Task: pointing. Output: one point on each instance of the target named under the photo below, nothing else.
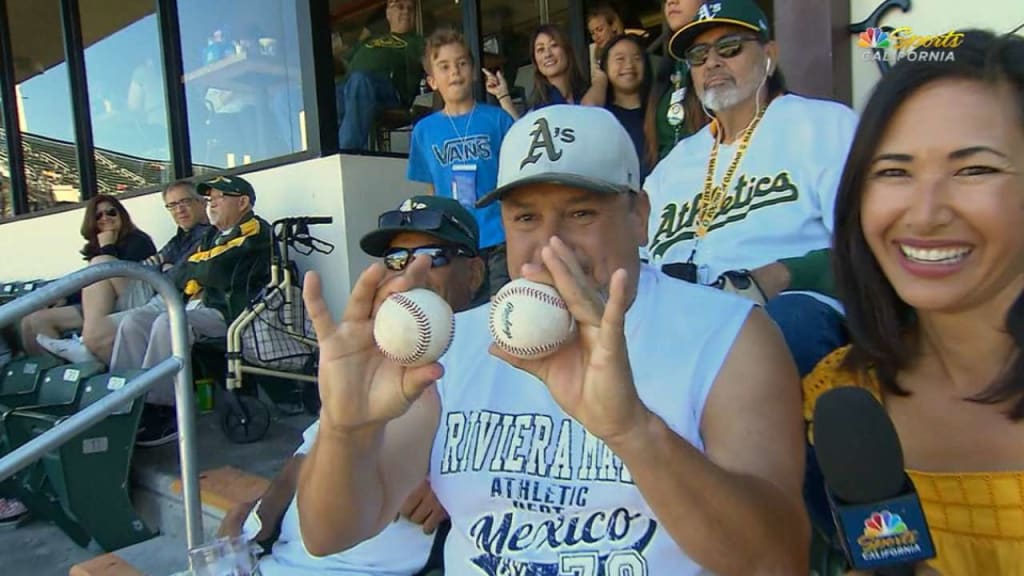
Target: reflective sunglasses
(425, 219)
(397, 259)
(726, 47)
(109, 213)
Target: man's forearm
(279, 494)
(728, 523)
(340, 492)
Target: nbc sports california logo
(893, 45)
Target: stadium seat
(83, 486)
(20, 379)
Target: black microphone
(873, 501)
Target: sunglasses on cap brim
(425, 219)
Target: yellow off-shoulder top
(976, 518)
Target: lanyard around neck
(712, 198)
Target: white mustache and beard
(728, 94)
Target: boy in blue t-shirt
(455, 150)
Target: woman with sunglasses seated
(109, 235)
(745, 204)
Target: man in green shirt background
(384, 71)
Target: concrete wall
(927, 17)
(351, 189)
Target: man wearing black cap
(422, 225)
(230, 266)
(746, 203)
(442, 229)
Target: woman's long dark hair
(90, 229)
(883, 328)
(577, 82)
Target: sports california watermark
(902, 44)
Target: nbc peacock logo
(883, 524)
(874, 38)
(886, 536)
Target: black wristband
(109, 250)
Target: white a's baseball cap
(580, 146)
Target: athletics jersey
(779, 203)
(528, 490)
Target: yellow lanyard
(712, 198)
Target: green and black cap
(229, 186)
(713, 13)
(443, 218)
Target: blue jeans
(811, 328)
(360, 97)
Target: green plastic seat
(83, 486)
(19, 380)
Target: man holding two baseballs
(663, 436)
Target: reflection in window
(6, 200)
(44, 102)
(378, 51)
(242, 80)
(126, 95)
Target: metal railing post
(180, 360)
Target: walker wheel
(243, 418)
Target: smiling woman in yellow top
(929, 257)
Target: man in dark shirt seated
(231, 265)
(384, 72)
(188, 210)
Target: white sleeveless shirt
(528, 490)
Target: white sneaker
(69, 349)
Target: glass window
(127, 96)
(379, 81)
(44, 103)
(6, 200)
(506, 29)
(242, 80)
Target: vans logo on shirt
(475, 147)
(544, 140)
(750, 193)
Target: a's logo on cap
(708, 10)
(409, 206)
(220, 180)
(544, 140)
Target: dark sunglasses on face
(726, 47)
(397, 259)
(109, 213)
(425, 219)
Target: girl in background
(628, 69)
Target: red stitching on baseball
(423, 329)
(525, 351)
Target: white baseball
(414, 328)
(529, 319)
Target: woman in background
(109, 235)
(557, 76)
(929, 262)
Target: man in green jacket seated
(231, 265)
(384, 72)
